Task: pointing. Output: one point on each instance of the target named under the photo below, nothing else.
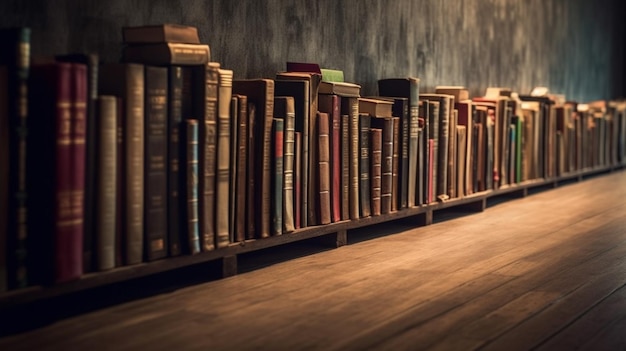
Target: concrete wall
(574, 47)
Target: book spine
(395, 166)
(364, 164)
(297, 180)
(376, 170)
(192, 174)
(242, 139)
(433, 121)
(106, 182)
(431, 171)
(4, 177)
(335, 160)
(413, 126)
(288, 165)
(345, 167)
(324, 170)
(443, 145)
(174, 121)
(17, 57)
(278, 130)
(120, 210)
(186, 54)
(208, 144)
(452, 157)
(387, 166)
(461, 152)
(251, 184)
(355, 151)
(155, 165)
(234, 170)
(223, 158)
(421, 149)
(403, 112)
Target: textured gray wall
(574, 47)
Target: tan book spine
(106, 182)
(395, 163)
(352, 109)
(222, 192)
(288, 162)
(386, 166)
(241, 178)
(324, 167)
(207, 113)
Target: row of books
(166, 154)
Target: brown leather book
(161, 33)
(234, 170)
(376, 170)
(155, 151)
(167, 54)
(222, 192)
(350, 107)
(126, 80)
(4, 175)
(241, 177)
(331, 104)
(345, 167)
(395, 163)
(284, 109)
(365, 164)
(323, 137)
(106, 182)
(260, 92)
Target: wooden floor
(544, 272)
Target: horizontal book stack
(166, 153)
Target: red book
(56, 172)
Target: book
(55, 202)
(167, 54)
(350, 107)
(191, 174)
(304, 67)
(234, 169)
(345, 167)
(251, 183)
(91, 61)
(432, 119)
(278, 130)
(15, 57)
(160, 33)
(420, 197)
(461, 145)
(332, 75)
(222, 191)
(375, 170)
(340, 88)
(126, 80)
(460, 93)
(443, 121)
(314, 80)
(364, 164)
(284, 109)
(406, 88)
(323, 186)
(106, 182)
(465, 118)
(176, 80)
(401, 111)
(376, 107)
(300, 91)
(331, 104)
(385, 126)
(297, 176)
(395, 159)
(205, 110)
(155, 165)
(260, 92)
(242, 164)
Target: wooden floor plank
(460, 283)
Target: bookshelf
(431, 49)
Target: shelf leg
(425, 218)
(229, 266)
(334, 240)
(478, 206)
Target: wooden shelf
(228, 254)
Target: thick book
(106, 182)
(160, 33)
(350, 107)
(465, 118)
(242, 167)
(376, 170)
(177, 79)
(375, 107)
(331, 104)
(385, 125)
(364, 164)
(323, 169)
(91, 62)
(155, 165)
(222, 191)
(433, 148)
(15, 56)
(314, 80)
(277, 157)
(345, 167)
(284, 109)
(167, 54)
(459, 92)
(205, 109)
(340, 88)
(55, 202)
(406, 88)
(190, 172)
(126, 81)
(443, 142)
(300, 91)
(260, 92)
